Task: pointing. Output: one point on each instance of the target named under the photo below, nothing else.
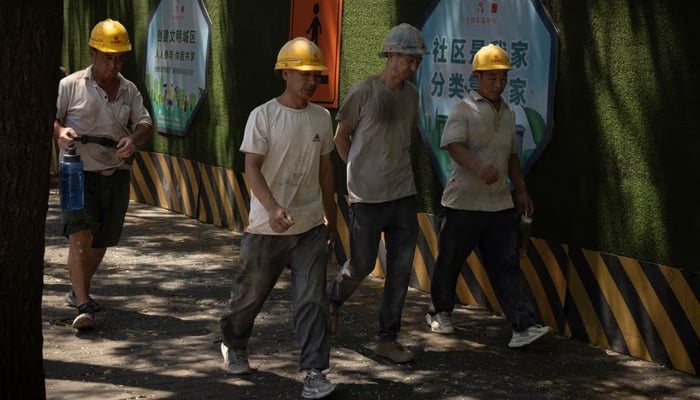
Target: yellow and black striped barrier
(642, 309)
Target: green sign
(454, 31)
(176, 63)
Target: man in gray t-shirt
(373, 137)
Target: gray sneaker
(235, 361)
(72, 302)
(85, 320)
(440, 322)
(316, 386)
(529, 336)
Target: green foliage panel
(617, 177)
(245, 37)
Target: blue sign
(176, 63)
(454, 31)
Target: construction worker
(102, 114)
(375, 125)
(478, 209)
(287, 144)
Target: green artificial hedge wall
(245, 37)
(618, 175)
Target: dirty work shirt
(83, 106)
(490, 137)
(379, 161)
(292, 142)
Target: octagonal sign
(176, 63)
(454, 31)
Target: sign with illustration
(319, 21)
(176, 63)
(454, 30)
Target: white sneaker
(529, 336)
(235, 361)
(440, 322)
(85, 319)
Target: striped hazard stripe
(646, 310)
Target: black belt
(102, 141)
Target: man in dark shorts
(102, 114)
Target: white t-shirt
(292, 142)
(379, 165)
(490, 137)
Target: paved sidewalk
(158, 338)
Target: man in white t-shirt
(287, 144)
(375, 125)
(478, 208)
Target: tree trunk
(30, 56)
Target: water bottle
(72, 180)
(525, 228)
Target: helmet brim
(303, 68)
(492, 68)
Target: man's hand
(65, 137)
(332, 236)
(487, 173)
(280, 220)
(126, 147)
(525, 203)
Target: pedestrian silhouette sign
(319, 21)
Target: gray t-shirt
(379, 161)
(489, 134)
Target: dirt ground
(164, 287)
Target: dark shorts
(106, 202)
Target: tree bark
(30, 56)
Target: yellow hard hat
(110, 36)
(490, 57)
(300, 54)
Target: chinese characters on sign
(454, 31)
(176, 63)
(454, 51)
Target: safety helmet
(404, 39)
(110, 36)
(490, 57)
(300, 54)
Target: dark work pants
(495, 234)
(263, 258)
(398, 221)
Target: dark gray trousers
(398, 221)
(263, 258)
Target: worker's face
(107, 65)
(492, 83)
(302, 84)
(406, 64)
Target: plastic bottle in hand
(72, 181)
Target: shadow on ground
(164, 287)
